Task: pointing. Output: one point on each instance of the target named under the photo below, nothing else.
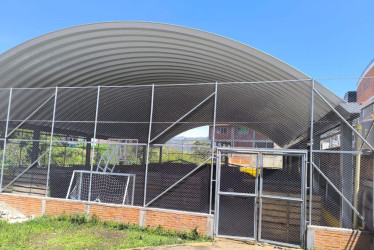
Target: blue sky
(324, 39)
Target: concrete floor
(219, 244)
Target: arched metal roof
(142, 53)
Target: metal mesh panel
(25, 167)
(75, 112)
(133, 163)
(124, 113)
(169, 164)
(336, 181)
(258, 106)
(172, 117)
(4, 102)
(236, 216)
(238, 173)
(340, 175)
(66, 157)
(282, 175)
(280, 221)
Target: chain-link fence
(96, 143)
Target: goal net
(106, 187)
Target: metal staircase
(117, 151)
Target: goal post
(106, 187)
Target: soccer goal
(106, 187)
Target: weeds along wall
(119, 137)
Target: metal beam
(212, 148)
(94, 141)
(51, 142)
(148, 142)
(311, 152)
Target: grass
(80, 232)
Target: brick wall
(57, 207)
(337, 238)
(365, 88)
(117, 214)
(27, 205)
(178, 221)
(168, 219)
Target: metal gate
(260, 195)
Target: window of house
(221, 130)
(367, 111)
(243, 131)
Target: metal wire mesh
(91, 128)
(237, 216)
(282, 175)
(168, 165)
(280, 221)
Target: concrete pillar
(346, 172)
(35, 144)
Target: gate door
(281, 198)
(237, 192)
(260, 195)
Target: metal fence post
(5, 138)
(94, 142)
(311, 153)
(212, 148)
(51, 143)
(148, 142)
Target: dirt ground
(219, 244)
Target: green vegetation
(182, 154)
(80, 232)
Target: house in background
(227, 135)
(365, 97)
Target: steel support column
(51, 142)
(212, 149)
(148, 143)
(311, 153)
(94, 142)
